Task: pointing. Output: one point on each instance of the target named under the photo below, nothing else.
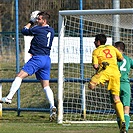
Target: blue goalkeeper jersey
(42, 39)
(124, 67)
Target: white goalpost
(76, 31)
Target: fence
(31, 97)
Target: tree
(7, 10)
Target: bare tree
(7, 10)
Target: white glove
(33, 16)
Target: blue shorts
(40, 65)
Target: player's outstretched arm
(33, 19)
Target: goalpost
(77, 28)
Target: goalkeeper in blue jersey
(125, 90)
(40, 63)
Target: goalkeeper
(125, 90)
(102, 54)
(40, 63)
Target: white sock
(15, 86)
(49, 95)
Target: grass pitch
(38, 122)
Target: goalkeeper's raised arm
(33, 19)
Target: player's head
(100, 39)
(120, 45)
(43, 18)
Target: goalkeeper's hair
(121, 45)
(45, 15)
(102, 38)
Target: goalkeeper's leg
(14, 87)
(50, 97)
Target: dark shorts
(125, 93)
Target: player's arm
(28, 25)
(26, 30)
(95, 60)
(122, 58)
(96, 66)
(33, 18)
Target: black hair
(121, 45)
(102, 38)
(45, 15)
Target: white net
(80, 103)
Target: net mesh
(97, 102)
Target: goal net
(76, 103)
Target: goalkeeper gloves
(33, 17)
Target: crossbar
(96, 12)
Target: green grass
(38, 122)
